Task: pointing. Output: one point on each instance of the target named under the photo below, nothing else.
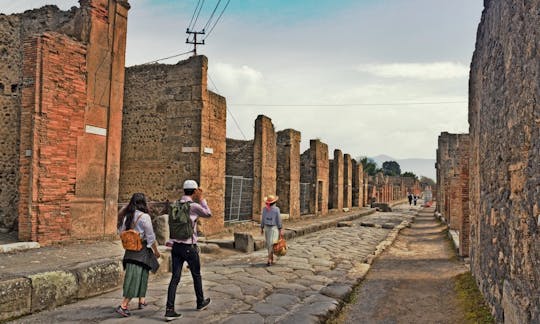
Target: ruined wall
(14, 30)
(464, 223)
(288, 172)
(336, 181)
(315, 170)
(81, 201)
(347, 181)
(173, 130)
(239, 160)
(504, 121)
(48, 163)
(264, 163)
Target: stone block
(97, 277)
(337, 291)
(15, 298)
(384, 207)
(209, 248)
(345, 224)
(388, 225)
(19, 246)
(52, 289)
(243, 242)
(161, 228)
(259, 244)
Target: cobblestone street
(305, 286)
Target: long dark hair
(137, 202)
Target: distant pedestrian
(415, 199)
(410, 198)
(186, 250)
(137, 264)
(271, 225)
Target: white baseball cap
(190, 184)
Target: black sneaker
(122, 311)
(204, 304)
(170, 315)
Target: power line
(194, 11)
(198, 13)
(212, 15)
(217, 20)
(350, 104)
(169, 57)
(230, 112)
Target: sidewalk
(45, 278)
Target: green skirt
(135, 281)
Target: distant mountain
(420, 167)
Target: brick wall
(464, 224)
(504, 121)
(315, 170)
(336, 181)
(173, 130)
(52, 122)
(288, 172)
(14, 29)
(347, 181)
(264, 163)
(81, 202)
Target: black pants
(190, 254)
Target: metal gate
(238, 198)
(304, 198)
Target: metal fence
(238, 198)
(304, 198)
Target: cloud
(240, 83)
(422, 71)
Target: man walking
(187, 250)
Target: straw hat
(270, 199)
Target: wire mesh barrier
(304, 198)
(238, 198)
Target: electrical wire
(212, 15)
(217, 20)
(350, 104)
(230, 112)
(168, 57)
(194, 11)
(198, 13)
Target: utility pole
(194, 41)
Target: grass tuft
(471, 300)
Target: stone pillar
(315, 170)
(336, 178)
(347, 181)
(358, 184)
(264, 163)
(288, 172)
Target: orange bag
(131, 239)
(280, 248)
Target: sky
(368, 77)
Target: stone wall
(288, 172)
(336, 181)
(504, 120)
(239, 160)
(347, 181)
(264, 163)
(14, 30)
(69, 176)
(314, 169)
(173, 130)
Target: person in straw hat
(271, 225)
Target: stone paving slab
(305, 286)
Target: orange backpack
(131, 239)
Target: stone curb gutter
(27, 294)
(321, 307)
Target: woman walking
(137, 264)
(271, 225)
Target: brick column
(288, 172)
(264, 163)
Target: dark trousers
(190, 254)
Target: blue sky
(388, 76)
